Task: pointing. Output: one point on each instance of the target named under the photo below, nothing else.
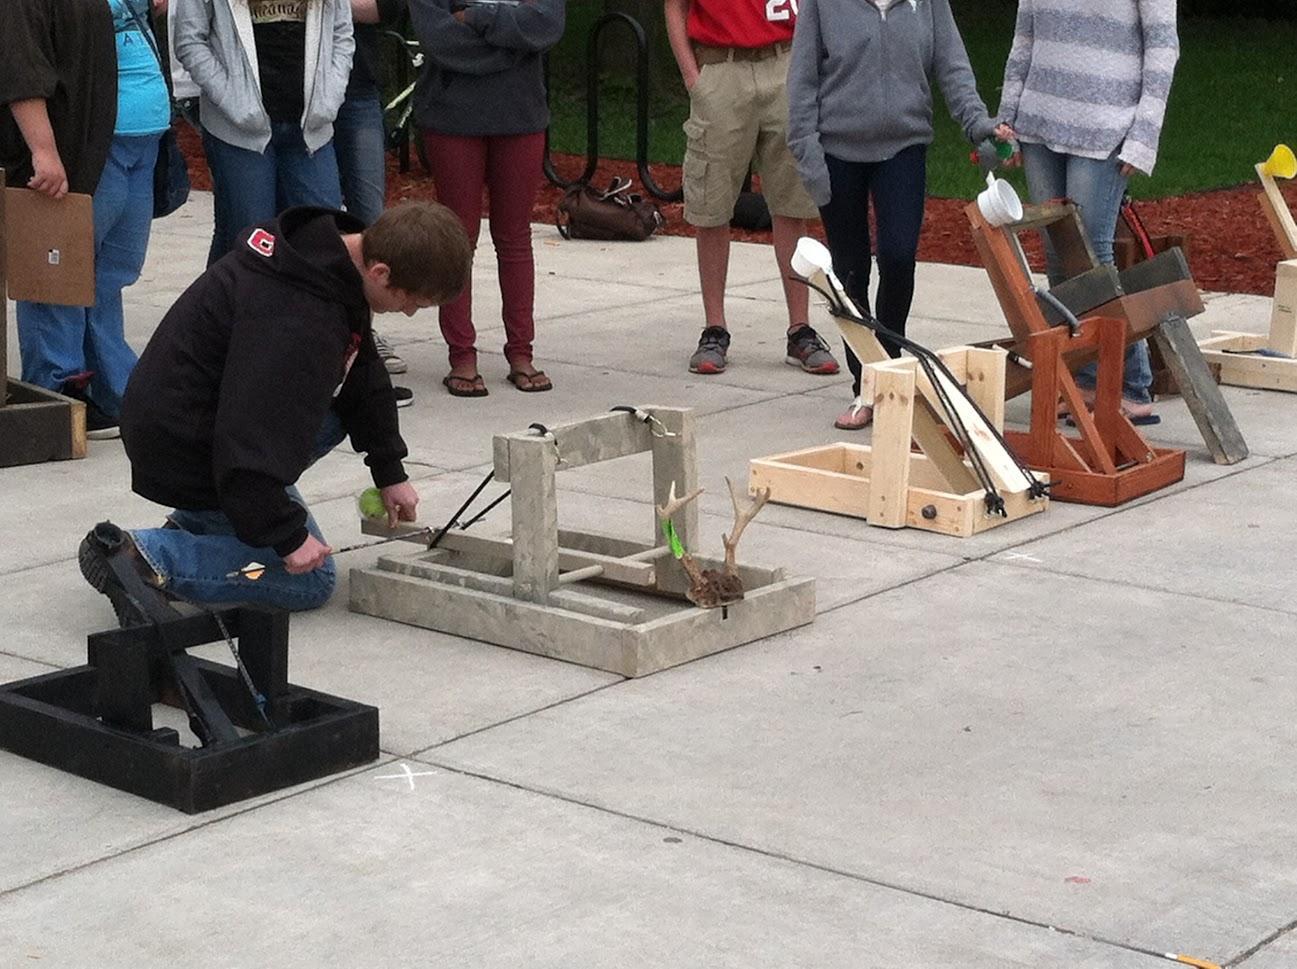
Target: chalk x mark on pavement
(407, 775)
(1021, 557)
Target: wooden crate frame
(532, 592)
(1235, 353)
(886, 482)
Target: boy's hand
(308, 557)
(401, 502)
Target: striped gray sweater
(1092, 78)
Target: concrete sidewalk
(1060, 743)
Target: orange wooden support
(1108, 462)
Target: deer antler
(741, 518)
(674, 504)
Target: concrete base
(669, 632)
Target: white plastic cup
(998, 202)
(811, 256)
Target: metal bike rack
(592, 110)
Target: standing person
(733, 57)
(359, 141)
(1086, 93)
(481, 105)
(272, 74)
(83, 351)
(860, 122)
(260, 367)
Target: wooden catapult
(35, 424)
(614, 604)
(1267, 361)
(1093, 315)
(256, 732)
(945, 487)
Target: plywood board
(50, 247)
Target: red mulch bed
(1231, 247)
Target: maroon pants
(509, 167)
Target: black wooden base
(77, 720)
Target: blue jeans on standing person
(897, 188)
(60, 342)
(1097, 187)
(196, 557)
(250, 187)
(361, 149)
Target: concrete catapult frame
(600, 601)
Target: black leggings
(897, 187)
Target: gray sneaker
(808, 351)
(391, 361)
(712, 347)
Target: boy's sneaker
(105, 542)
(712, 347)
(391, 361)
(404, 396)
(808, 351)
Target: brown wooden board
(50, 247)
(1201, 393)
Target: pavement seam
(1268, 940)
(161, 839)
(789, 859)
(520, 716)
(31, 659)
(1127, 584)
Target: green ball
(370, 503)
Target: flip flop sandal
(857, 418)
(537, 381)
(458, 386)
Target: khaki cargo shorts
(738, 115)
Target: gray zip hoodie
(860, 82)
(214, 42)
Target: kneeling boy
(262, 366)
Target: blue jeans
(361, 148)
(897, 189)
(250, 187)
(196, 558)
(58, 342)
(1097, 187)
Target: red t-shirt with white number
(741, 23)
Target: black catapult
(258, 733)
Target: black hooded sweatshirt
(224, 407)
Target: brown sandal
(530, 382)
(458, 386)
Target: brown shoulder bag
(615, 214)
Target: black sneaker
(712, 348)
(106, 541)
(99, 426)
(808, 351)
(404, 396)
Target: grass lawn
(1235, 96)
